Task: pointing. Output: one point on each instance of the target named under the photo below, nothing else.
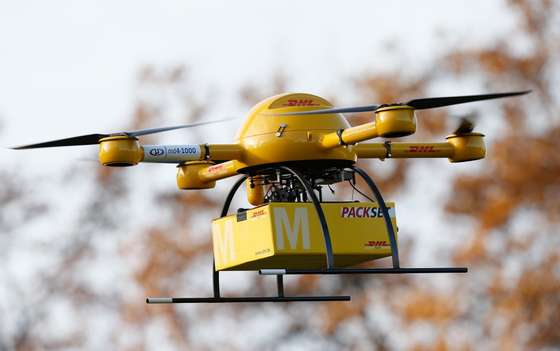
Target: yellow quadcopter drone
(288, 149)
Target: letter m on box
(291, 228)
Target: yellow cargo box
(288, 235)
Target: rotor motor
(188, 175)
(395, 121)
(467, 147)
(120, 151)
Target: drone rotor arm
(349, 136)
(190, 152)
(404, 150)
(457, 148)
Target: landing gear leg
(217, 298)
(396, 269)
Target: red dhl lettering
(376, 243)
(421, 148)
(215, 168)
(300, 102)
(258, 213)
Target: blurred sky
(69, 67)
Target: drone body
(272, 134)
(290, 147)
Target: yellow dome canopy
(269, 137)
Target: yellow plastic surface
(467, 147)
(255, 191)
(188, 175)
(119, 151)
(219, 171)
(267, 137)
(288, 235)
(395, 121)
(223, 152)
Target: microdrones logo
(157, 152)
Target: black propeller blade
(419, 104)
(165, 129)
(355, 109)
(92, 139)
(422, 104)
(89, 139)
(466, 126)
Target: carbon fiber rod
(168, 300)
(370, 270)
(383, 206)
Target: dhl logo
(376, 243)
(421, 148)
(258, 213)
(300, 102)
(216, 168)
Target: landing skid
(164, 300)
(365, 270)
(219, 299)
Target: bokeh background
(81, 246)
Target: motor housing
(395, 121)
(120, 151)
(467, 147)
(188, 176)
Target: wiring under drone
(360, 192)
